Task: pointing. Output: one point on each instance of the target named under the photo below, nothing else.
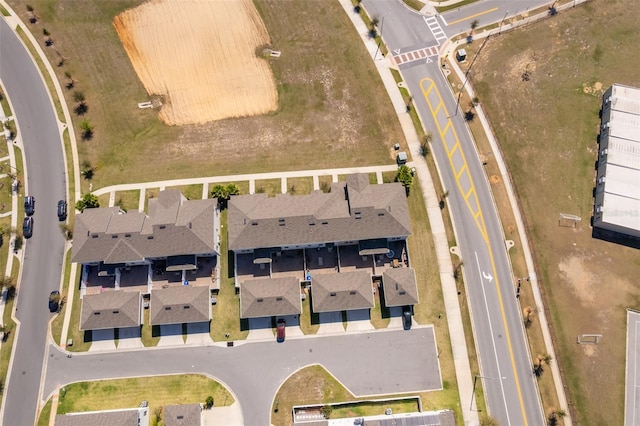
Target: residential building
(336, 243)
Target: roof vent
(115, 312)
(402, 293)
(94, 236)
(180, 417)
(189, 225)
(96, 313)
(332, 294)
(325, 223)
(114, 236)
(162, 226)
(127, 235)
(167, 308)
(352, 292)
(186, 307)
(279, 299)
(254, 223)
(260, 300)
(149, 237)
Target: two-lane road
(506, 371)
(42, 265)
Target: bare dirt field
(542, 87)
(200, 58)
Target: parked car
(280, 328)
(54, 301)
(62, 210)
(406, 318)
(29, 205)
(27, 227)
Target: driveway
(359, 320)
(366, 363)
(331, 323)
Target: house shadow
(615, 238)
(384, 310)
(315, 317)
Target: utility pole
(466, 75)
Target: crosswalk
(414, 55)
(425, 53)
(435, 28)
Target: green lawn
(125, 393)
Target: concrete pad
(198, 333)
(223, 416)
(171, 335)
(396, 317)
(293, 325)
(260, 329)
(102, 340)
(129, 338)
(331, 323)
(359, 320)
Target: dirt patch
(494, 179)
(199, 56)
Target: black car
(27, 227)
(54, 301)
(406, 318)
(29, 205)
(62, 210)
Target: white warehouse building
(617, 192)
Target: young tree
(88, 201)
(223, 193)
(78, 96)
(209, 402)
(405, 177)
(87, 170)
(87, 130)
(81, 108)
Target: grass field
(546, 124)
(329, 113)
(126, 393)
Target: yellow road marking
(477, 215)
(462, 170)
(479, 220)
(473, 16)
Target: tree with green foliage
(88, 201)
(87, 130)
(405, 177)
(208, 402)
(326, 411)
(223, 193)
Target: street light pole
(380, 41)
(505, 17)
(466, 75)
(475, 379)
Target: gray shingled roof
(353, 210)
(400, 287)
(343, 291)
(174, 226)
(266, 297)
(178, 305)
(127, 417)
(111, 309)
(182, 415)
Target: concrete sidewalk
(450, 294)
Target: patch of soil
(200, 57)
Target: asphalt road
(44, 251)
(510, 388)
(371, 363)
